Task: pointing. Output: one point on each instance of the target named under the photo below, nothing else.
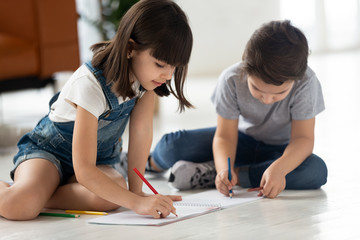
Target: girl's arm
(84, 161)
(300, 147)
(140, 139)
(88, 175)
(224, 146)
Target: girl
(67, 161)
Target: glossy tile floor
(329, 213)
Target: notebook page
(215, 198)
(191, 206)
(129, 217)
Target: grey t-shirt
(270, 123)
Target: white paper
(190, 206)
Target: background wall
(221, 30)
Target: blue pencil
(229, 164)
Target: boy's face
(268, 93)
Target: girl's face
(268, 93)
(149, 71)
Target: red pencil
(145, 181)
(254, 189)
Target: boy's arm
(224, 146)
(300, 147)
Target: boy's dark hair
(276, 52)
(159, 25)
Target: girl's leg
(35, 181)
(75, 196)
(188, 145)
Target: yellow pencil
(86, 212)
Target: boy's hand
(222, 182)
(273, 182)
(158, 206)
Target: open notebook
(190, 206)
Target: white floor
(329, 213)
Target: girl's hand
(223, 185)
(158, 206)
(273, 182)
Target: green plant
(111, 14)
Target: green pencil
(59, 215)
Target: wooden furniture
(37, 39)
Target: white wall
(221, 30)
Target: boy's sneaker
(122, 166)
(188, 175)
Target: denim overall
(53, 140)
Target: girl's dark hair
(276, 52)
(159, 25)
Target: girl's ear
(130, 48)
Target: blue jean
(252, 158)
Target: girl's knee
(120, 181)
(114, 175)
(19, 206)
(99, 204)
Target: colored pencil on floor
(59, 215)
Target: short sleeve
(86, 92)
(224, 96)
(309, 100)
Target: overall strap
(53, 99)
(106, 87)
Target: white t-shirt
(84, 90)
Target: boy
(266, 109)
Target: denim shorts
(29, 150)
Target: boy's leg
(35, 181)
(189, 153)
(76, 197)
(310, 174)
(188, 145)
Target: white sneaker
(186, 175)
